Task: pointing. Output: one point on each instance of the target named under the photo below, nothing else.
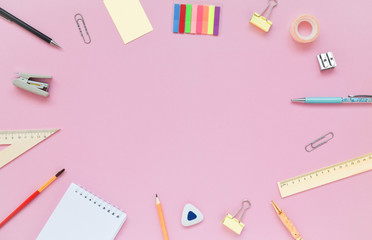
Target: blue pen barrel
(324, 100)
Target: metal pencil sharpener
(326, 61)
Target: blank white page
(81, 215)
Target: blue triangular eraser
(191, 215)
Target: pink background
(199, 119)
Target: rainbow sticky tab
(233, 224)
(196, 19)
(181, 27)
(188, 18)
(176, 20)
(211, 20)
(261, 22)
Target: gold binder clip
(260, 21)
(233, 223)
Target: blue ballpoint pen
(330, 100)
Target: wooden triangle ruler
(325, 175)
(21, 141)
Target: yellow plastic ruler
(20, 141)
(325, 175)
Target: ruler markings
(20, 141)
(325, 175)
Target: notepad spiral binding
(93, 199)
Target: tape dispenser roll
(315, 28)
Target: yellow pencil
(161, 218)
(287, 223)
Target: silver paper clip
(78, 17)
(24, 82)
(319, 142)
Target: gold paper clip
(319, 142)
(78, 17)
(260, 21)
(233, 223)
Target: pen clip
(360, 96)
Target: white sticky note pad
(129, 17)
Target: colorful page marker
(211, 20)
(196, 19)
(176, 20)
(188, 18)
(216, 21)
(194, 14)
(205, 19)
(199, 20)
(182, 18)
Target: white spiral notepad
(80, 215)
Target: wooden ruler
(20, 141)
(325, 175)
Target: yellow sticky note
(129, 17)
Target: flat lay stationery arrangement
(185, 119)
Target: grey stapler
(24, 81)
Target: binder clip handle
(271, 9)
(244, 210)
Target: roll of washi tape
(314, 31)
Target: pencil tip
(156, 195)
(277, 209)
(54, 43)
(60, 172)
